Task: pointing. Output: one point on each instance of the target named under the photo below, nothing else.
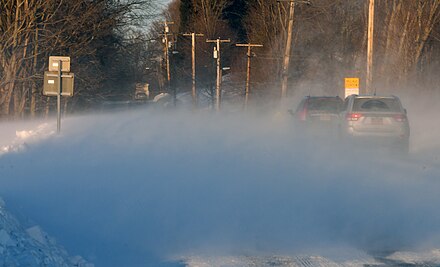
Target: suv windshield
(376, 104)
(324, 104)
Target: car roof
(330, 97)
(373, 97)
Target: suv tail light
(303, 112)
(303, 115)
(353, 116)
(400, 117)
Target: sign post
(60, 89)
(351, 86)
(58, 82)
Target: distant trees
(330, 39)
(186, 12)
(200, 16)
(111, 48)
(266, 23)
(92, 33)
(406, 36)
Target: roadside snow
(24, 137)
(417, 258)
(31, 247)
(276, 261)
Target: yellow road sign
(351, 83)
(351, 86)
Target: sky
(148, 186)
(163, 3)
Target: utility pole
(287, 50)
(167, 48)
(369, 80)
(167, 53)
(248, 72)
(193, 57)
(217, 56)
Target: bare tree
(87, 31)
(330, 39)
(407, 27)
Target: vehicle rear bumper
(400, 134)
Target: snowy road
(136, 189)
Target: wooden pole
(193, 60)
(167, 48)
(369, 80)
(248, 77)
(218, 94)
(167, 59)
(167, 56)
(217, 55)
(248, 71)
(193, 64)
(287, 51)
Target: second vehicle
(376, 118)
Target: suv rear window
(324, 104)
(377, 104)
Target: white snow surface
(425, 258)
(31, 247)
(355, 258)
(152, 188)
(22, 138)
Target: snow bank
(22, 138)
(31, 247)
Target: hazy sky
(164, 2)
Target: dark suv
(376, 118)
(318, 114)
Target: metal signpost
(58, 81)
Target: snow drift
(138, 188)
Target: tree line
(102, 37)
(114, 44)
(329, 43)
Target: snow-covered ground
(31, 246)
(159, 188)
